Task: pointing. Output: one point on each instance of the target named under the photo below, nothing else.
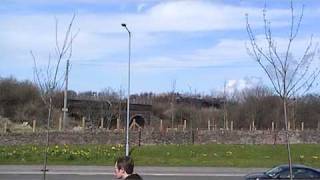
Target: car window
(284, 174)
(274, 171)
(300, 173)
(305, 173)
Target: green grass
(166, 155)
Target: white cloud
(181, 16)
(189, 16)
(21, 34)
(226, 52)
(98, 32)
(234, 85)
(102, 38)
(297, 48)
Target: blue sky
(200, 45)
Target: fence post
(289, 124)
(133, 124)
(231, 126)
(213, 125)
(5, 126)
(118, 124)
(227, 124)
(302, 126)
(192, 136)
(101, 124)
(272, 126)
(209, 128)
(139, 137)
(253, 126)
(83, 122)
(161, 125)
(184, 125)
(60, 123)
(34, 126)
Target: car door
(284, 174)
(304, 173)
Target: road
(13, 172)
(106, 177)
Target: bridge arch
(139, 119)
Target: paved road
(14, 172)
(107, 177)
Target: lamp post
(128, 98)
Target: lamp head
(124, 25)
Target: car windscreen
(274, 171)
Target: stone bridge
(93, 110)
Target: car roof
(297, 166)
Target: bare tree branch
(290, 77)
(301, 62)
(50, 82)
(257, 52)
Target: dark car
(282, 172)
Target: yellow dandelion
(315, 157)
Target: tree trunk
(47, 141)
(284, 100)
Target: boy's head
(123, 167)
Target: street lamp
(128, 98)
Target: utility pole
(65, 109)
(225, 123)
(172, 102)
(128, 99)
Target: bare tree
(50, 79)
(113, 98)
(288, 75)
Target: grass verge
(219, 155)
